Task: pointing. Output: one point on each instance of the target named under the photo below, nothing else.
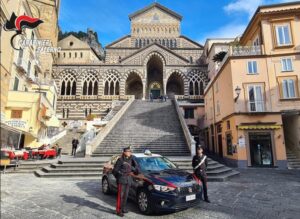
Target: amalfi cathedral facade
(155, 58)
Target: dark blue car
(161, 187)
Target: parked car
(161, 186)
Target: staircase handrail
(55, 138)
(109, 126)
(188, 137)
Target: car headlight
(163, 188)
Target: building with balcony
(252, 104)
(30, 96)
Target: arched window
(112, 88)
(63, 88)
(197, 81)
(84, 92)
(69, 55)
(117, 90)
(106, 88)
(58, 54)
(196, 88)
(191, 88)
(64, 55)
(75, 54)
(136, 43)
(74, 88)
(111, 85)
(163, 42)
(81, 54)
(95, 88)
(68, 83)
(68, 92)
(90, 90)
(90, 83)
(201, 88)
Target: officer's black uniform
(200, 172)
(123, 167)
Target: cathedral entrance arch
(175, 85)
(155, 76)
(134, 85)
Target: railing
(246, 50)
(109, 126)
(256, 106)
(53, 139)
(189, 97)
(189, 138)
(239, 51)
(94, 97)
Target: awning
(260, 127)
(53, 122)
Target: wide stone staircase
(91, 168)
(66, 141)
(146, 125)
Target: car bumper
(170, 202)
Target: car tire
(143, 201)
(105, 186)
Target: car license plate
(190, 197)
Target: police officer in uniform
(124, 169)
(200, 166)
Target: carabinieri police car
(161, 186)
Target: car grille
(189, 189)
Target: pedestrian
(123, 171)
(200, 166)
(151, 97)
(165, 98)
(75, 143)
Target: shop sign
(16, 123)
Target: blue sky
(202, 19)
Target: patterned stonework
(157, 54)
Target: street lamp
(238, 92)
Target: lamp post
(237, 92)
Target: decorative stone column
(144, 88)
(165, 86)
(122, 86)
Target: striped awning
(260, 127)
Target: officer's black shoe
(125, 211)
(120, 214)
(207, 200)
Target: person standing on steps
(199, 164)
(75, 143)
(151, 97)
(123, 171)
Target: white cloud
(228, 31)
(249, 6)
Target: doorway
(261, 149)
(155, 76)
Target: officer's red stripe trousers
(118, 207)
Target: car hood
(177, 177)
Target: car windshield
(154, 163)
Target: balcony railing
(94, 97)
(246, 50)
(256, 106)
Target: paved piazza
(256, 193)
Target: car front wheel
(105, 186)
(143, 201)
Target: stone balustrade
(189, 138)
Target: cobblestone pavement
(256, 193)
